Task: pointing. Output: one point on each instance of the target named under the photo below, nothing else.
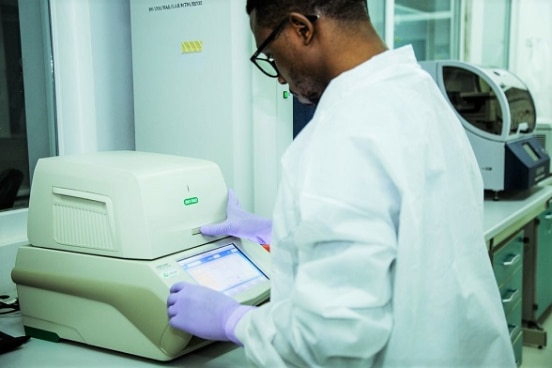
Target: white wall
(531, 51)
(93, 75)
(212, 103)
(195, 102)
(272, 134)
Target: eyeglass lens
(266, 66)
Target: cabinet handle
(515, 258)
(513, 295)
(548, 216)
(514, 330)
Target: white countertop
(511, 213)
(38, 353)
(502, 217)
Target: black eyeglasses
(266, 64)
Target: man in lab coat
(378, 254)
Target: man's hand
(241, 224)
(204, 312)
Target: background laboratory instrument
(499, 117)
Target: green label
(190, 201)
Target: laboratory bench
(41, 353)
(510, 226)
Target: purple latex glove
(204, 312)
(241, 224)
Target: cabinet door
(507, 261)
(467, 30)
(431, 27)
(487, 32)
(544, 262)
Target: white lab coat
(378, 255)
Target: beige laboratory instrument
(110, 233)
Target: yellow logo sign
(191, 47)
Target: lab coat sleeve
(342, 247)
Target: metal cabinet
(507, 260)
(544, 264)
(537, 289)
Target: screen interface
(530, 151)
(225, 269)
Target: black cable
(9, 343)
(12, 307)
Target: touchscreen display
(530, 151)
(225, 269)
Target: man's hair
(270, 12)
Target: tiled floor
(533, 357)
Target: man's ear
(303, 27)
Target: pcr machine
(498, 114)
(110, 233)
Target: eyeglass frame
(271, 38)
